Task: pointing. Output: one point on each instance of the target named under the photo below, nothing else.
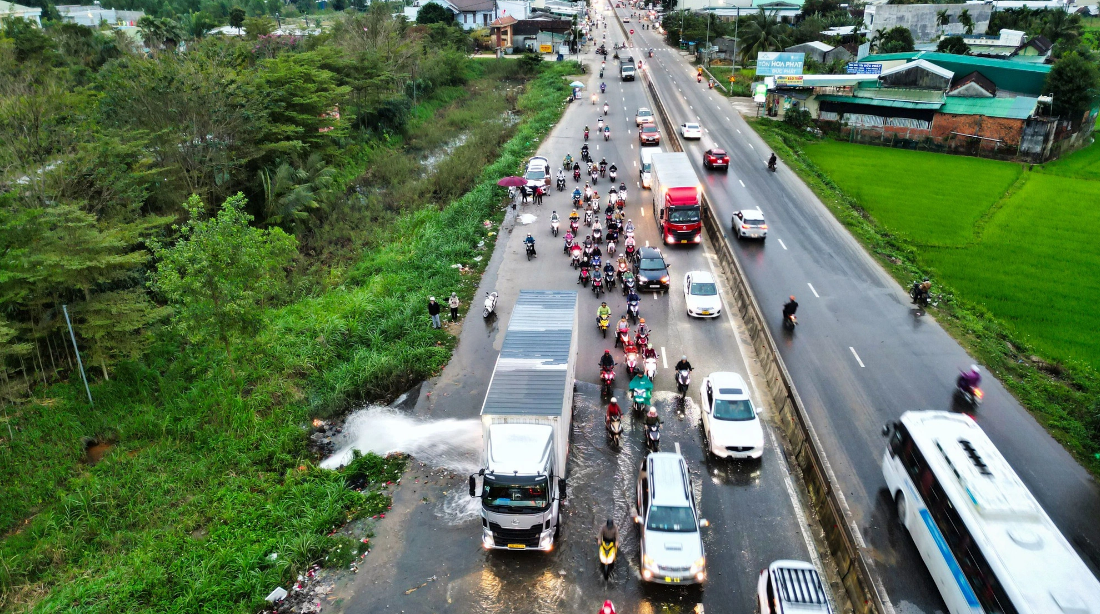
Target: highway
(861, 355)
(433, 544)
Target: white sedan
(730, 422)
(691, 131)
(701, 295)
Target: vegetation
(895, 40)
(159, 188)
(762, 32)
(1074, 82)
(953, 44)
(433, 12)
(1010, 287)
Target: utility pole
(79, 363)
(736, 41)
(706, 52)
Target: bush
(529, 62)
(798, 117)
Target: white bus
(988, 544)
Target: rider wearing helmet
(613, 409)
(603, 311)
(684, 365)
(530, 241)
(642, 328)
(607, 362)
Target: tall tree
(220, 274)
(967, 21)
(762, 32)
(236, 18)
(1074, 83)
(433, 12)
(895, 40)
(942, 19)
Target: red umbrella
(513, 181)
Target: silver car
(668, 519)
(750, 224)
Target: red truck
(676, 198)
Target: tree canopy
(434, 12)
(1074, 82)
(953, 44)
(895, 40)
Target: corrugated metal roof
(879, 102)
(533, 368)
(1020, 77)
(1020, 107)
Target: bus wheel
(899, 505)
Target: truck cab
(521, 488)
(678, 216)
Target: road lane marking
(800, 515)
(655, 293)
(741, 182)
(632, 147)
(664, 357)
(751, 145)
(635, 162)
(857, 357)
(815, 292)
(781, 244)
(738, 130)
(647, 243)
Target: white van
(792, 586)
(668, 519)
(645, 166)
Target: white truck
(626, 72)
(526, 420)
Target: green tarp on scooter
(641, 389)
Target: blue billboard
(864, 68)
(770, 63)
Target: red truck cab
(679, 218)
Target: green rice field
(1021, 243)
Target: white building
(11, 10)
(93, 15)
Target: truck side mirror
(473, 486)
(561, 488)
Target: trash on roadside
(276, 595)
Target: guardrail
(845, 545)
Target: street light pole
(736, 42)
(706, 52)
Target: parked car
(651, 270)
(750, 224)
(644, 116)
(648, 135)
(701, 295)
(792, 586)
(730, 422)
(691, 130)
(716, 158)
(668, 522)
(538, 172)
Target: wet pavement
(427, 555)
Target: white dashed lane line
(857, 357)
(782, 244)
(812, 290)
(741, 182)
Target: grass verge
(1004, 283)
(210, 472)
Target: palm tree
(1060, 25)
(763, 32)
(967, 21)
(942, 18)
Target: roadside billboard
(770, 63)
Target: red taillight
(763, 227)
(744, 226)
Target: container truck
(676, 198)
(526, 418)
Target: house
(820, 52)
(93, 15)
(923, 21)
(520, 34)
(1002, 46)
(947, 102)
(9, 10)
(472, 14)
(1036, 49)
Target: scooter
(603, 322)
(530, 250)
(607, 552)
(586, 134)
(683, 381)
(919, 297)
(622, 338)
(577, 174)
(597, 235)
(490, 304)
(630, 352)
(632, 311)
(576, 249)
(970, 395)
(587, 218)
(568, 243)
(651, 368)
(607, 133)
(561, 184)
(614, 173)
(574, 226)
(771, 166)
(585, 276)
(789, 322)
(611, 247)
(606, 108)
(628, 285)
(638, 402)
(554, 227)
(615, 430)
(607, 378)
(597, 285)
(609, 279)
(653, 437)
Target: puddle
(450, 444)
(94, 451)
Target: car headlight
(647, 561)
(642, 279)
(698, 565)
(664, 279)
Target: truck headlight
(487, 539)
(547, 541)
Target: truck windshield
(516, 493)
(683, 216)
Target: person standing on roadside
(453, 304)
(433, 310)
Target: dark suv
(651, 270)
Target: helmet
(792, 297)
(528, 234)
(684, 357)
(608, 607)
(652, 411)
(613, 400)
(610, 523)
(974, 369)
(641, 320)
(607, 351)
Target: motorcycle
(585, 276)
(771, 166)
(554, 227)
(561, 184)
(603, 88)
(607, 378)
(606, 108)
(971, 395)
(490, 304)
(596, 261)
(651, 368)
(609, 279)
(608, 549)
(568, 243)
(628, 285)
(683, 380)
(576, 174)
(530, 250)
(607, 133)
(919, 296)
(653, 437)
(595, 177)
(642, 341)
(632, 311)
(614, 174)
(631, 252)
(573, 226)
(790, 321)
(586, 135)
(587, 218)
(602, 322)
(597, 235)
(603, 170)
(615, 429)
(611, 247)
(630, 353)
(597, 285)
(622, 338)
(576, 255)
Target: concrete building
(1004, 45)
(922, 19)
(12, 10)
(820, 52)
(94, 14)
(473, 14)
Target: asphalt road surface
(861, 355)
(427, 555)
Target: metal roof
(533, 366)
(1020, 77)
(1020, 107)
(879, 102)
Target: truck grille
(503, 537)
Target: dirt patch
(95, 450)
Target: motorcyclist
(603, 311)
(568, 161)
(603, 166)
(641, 387)
(586, 133)
(649, 352)
(651, 416)
(561, 175)
(969, 379)
(603, 86)
(576, 167)
(609, 271)
(599, 128)
(920, 290)
(628, 276)
(588, 244)
(577, 196)
(629, 226)
(642, 328)
(607, 361)
(584, 149)
(584, 270)
(530, 241)
(790, 307)
(771, 162)
(633, 297)
(587, 191)
(574, 216)
(613, 169)
(609, 534)
(684, 365)
(554, 217)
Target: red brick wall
(1008, 130)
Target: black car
(651, 270)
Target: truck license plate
(683, 240)
(517, 546)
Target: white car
(644, 116)
(691, 131)
(730, 422)
(701, 295)
(538, 172)
(750, 224)
(792, 586)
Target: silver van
(792, 586)
(645, 166)
(668, 519)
